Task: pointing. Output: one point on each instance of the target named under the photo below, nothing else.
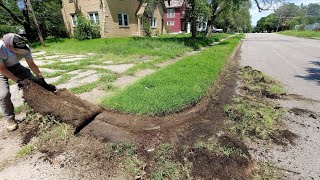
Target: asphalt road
(293, 61)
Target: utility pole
(29, 8)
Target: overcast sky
(256, 15)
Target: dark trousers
(5, 96)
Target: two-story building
(115, 17)
(175, 16)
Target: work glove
(21, 83)
(44, 84)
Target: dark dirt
(208, 165)
(284, 137)
(304, 112)
(28, 131)
(63, 105)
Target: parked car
(215, 30)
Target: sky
(256, 15)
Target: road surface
(293, 61)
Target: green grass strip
(175, 86)
(303, 34)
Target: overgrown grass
(177, 86)
(303, 34)
(253, 115)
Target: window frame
(171, 13)
(96, 19)
(170, 24)
(74, 19)
(153, 22)
(123, 20)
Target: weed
(25, 150)
(134, 166)
(266, 171)
(123, 149)
(24, 107)
(221, 150)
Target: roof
(174, 3)
(141, 9)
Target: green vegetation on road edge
(303, 34)
(177, 86)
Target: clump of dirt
(256, 83)
(209, 165)
(63, 105)
(231, 142)
(304, 112)
(284, 137)
(28, 131)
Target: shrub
(4, 29)
(86, 30)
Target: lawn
(143, 52)
(303, 34)
(176, 86)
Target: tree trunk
(23, 21)
(193, 27)
(26, 25)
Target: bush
(4, 29)
(86, 30)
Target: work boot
(12, 125)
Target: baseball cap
(15, 40)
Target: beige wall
(158, 14)
(108, 15)
(84, 6)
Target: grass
(144, 52)
(221, 150)
(167, 168)
(253, 115)
(25, 150)
(303, 34)
(175, 87)
(266, 171)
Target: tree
(20, 18)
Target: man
(13, 48)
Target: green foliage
(86, 30)
(303, 34)
(176, 86)
(50, 18)
(4, 29)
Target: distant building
(175, 16)
(115, 17)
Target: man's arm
(4, 71)
(34, 68)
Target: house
(115, 17)
(175, 16)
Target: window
(123, 19)
(94, 17)
(170, 23)
(170, 13)
(74, 19)
(153, 22)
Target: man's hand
(45, 85)
(21, 83)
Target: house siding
(177, 21)
(108, 15)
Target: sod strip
(176, 86)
